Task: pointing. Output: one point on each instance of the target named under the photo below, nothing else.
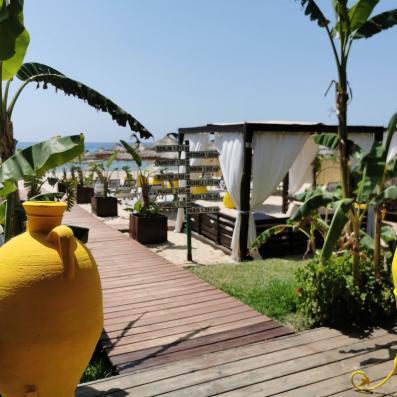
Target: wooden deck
(314, 363)
(156, 313)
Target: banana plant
(13, 45)
(33, 161)
(351, 23)
(104, 171)
(368, 181)
(145, 206)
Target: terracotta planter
(148, 229)
(84, 194)
(104, 206)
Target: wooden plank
(262, 377)
(164, 303)
(188, 367)
(183, 354)
(201, 345)
(225, 313)
(170, 162)
(341, 386)
(114, 323)
(221, 337)
(149, 332)
(175, 338)
(202, 210)
(171, 148)
(296, 366)
(152, 307)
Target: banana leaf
(135, 155)
(37, 159)
(314, 12)
(40, 73)
(373, 167)
(53, 196)
(329, 140)
(366, 241)
(338, 222)
(388, 234)
(3, 207)
(14, 37)
(360, 13)
(311, 204)
(111, 159)
(376, 24)
(390, 193)
(273, 231)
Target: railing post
(245, 191)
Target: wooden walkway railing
(156, 313)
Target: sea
(93, 147)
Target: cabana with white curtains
(254, 159)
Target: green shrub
(328, 296)
(99, 366)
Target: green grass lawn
(268, 286)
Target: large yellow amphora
(50, 307)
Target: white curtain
(196, 142)
(230, 148)
(364, 140)
(274, 154)
(301, 171)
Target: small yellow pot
(227, 201)
(50, 307)
(173, 184)
(199, 190)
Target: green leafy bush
(327, 294)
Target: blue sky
(178, 63)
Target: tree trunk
(341, 107)
(14, 212)
(377, 247)
(356, 252)
(7, 141)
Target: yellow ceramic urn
(50, 307)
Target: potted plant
(63, 181)
(84, 189)
(147, 224)
(102, 204)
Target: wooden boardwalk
(156, 313)
(314, 363)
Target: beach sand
(174, 249)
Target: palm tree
(351, 23)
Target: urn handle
(64, 242)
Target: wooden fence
(219, 229)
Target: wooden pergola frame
(247, 129)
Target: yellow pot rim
(44, 208)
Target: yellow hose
(365, 381)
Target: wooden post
(285, 204)
(245, 191)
